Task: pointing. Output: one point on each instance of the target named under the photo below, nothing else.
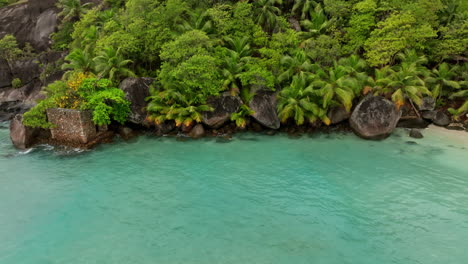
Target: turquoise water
(254, 199)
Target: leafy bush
(16, 83)
(82, 91)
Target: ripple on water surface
(252, 199)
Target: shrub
(16, 83)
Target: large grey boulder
(264, 106)
(374, 118)
(136, 91)
(224, 105)
(22, 137)
(30, 22)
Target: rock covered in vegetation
(374, 118)
(22, 137)
(197, 131)
(264, 106)
(136, 90)
(338, 115)
(415, 133)
(224, 105)
(31, 22)
(71, 126)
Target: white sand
(458, 137)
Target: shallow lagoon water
(253, 199)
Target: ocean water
(253, 199)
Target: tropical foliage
(316, 54)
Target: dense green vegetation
(316, 54)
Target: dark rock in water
(415, 133)
(411, 143)
(264, 106)
(441, 119)
(437, 117)
(374, 118)
(126, 133)
(197, 132)
(136, 91)
(428, 104)
(165, 128)
(22, 137)
(413, 123)
(338, 115)
(224, 106)
(456, 126)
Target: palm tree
(355, 67)
(463, 108)
(442, 77)
(109, 63)
(172, 105)
(72, 9)
(335, 86)
(239, 52)
(241, 116)
(79, 61)
(302, 7)
(406, 83)
(198, 20)
(317, 24)
(297, 101)
(267, 13)
(296, 64)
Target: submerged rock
(264, 106)
(224, 105)
(415, 133)
(197, 131)
(374, 118)
(136, 91)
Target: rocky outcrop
(23, 137)
(31, 22)
(5, 74)
(439, 118)
(264, 106)
(197, 131)
(374, 118)
(71, 126)
(338, 115)
(224, 105)
(136, 91)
